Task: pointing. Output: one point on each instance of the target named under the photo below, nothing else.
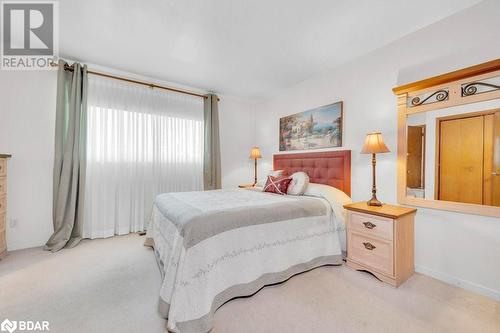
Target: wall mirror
(449, 141)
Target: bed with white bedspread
(213, 246)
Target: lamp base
(374, 202)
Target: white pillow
(335, 197)
(262, 182)
(299, 183)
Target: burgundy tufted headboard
(331, 168)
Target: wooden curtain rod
(151, 85)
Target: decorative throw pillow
(276, 173)
(278, 185)
(299, 183)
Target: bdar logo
(8, 326)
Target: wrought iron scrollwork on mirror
(429, 97)
(480, 87)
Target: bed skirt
(204, 324)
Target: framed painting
(312, 129)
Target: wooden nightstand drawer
(375, 254)
(372, 226)
(3, 203)
(3, 185)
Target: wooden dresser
(3, 204)
(380, 240)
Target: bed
(213, 246)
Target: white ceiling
(246, 48)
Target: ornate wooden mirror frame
(469, 85)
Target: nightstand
(246, 186)
(380, 240)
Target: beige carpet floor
(111, 285)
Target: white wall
(27, 120)
(457, 248)
(237, 137)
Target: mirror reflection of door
(469, 156)
(495, 173)
(415, 157)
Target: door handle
(495, 174)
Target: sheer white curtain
(140, 142)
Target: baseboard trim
(468, 285)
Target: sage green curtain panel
(211, 157)
(69, 159)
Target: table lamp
(374, 144)
(255, 154)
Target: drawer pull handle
(369, 246)
(369, 225)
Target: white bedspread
(203, 269)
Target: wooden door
(488, 159)
(491, 190)
(496, 161)
(461, 160)
(415, 157)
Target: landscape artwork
(313, 129)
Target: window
(140, 142)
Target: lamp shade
(255, 153)
(374, 144)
